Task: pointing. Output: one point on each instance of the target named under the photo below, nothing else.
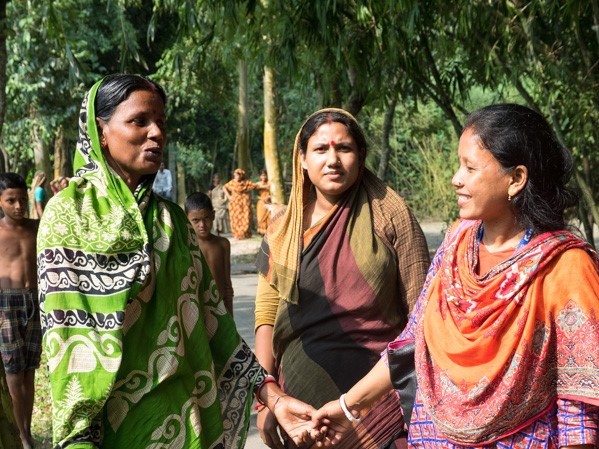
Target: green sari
(141, 351)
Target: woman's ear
(303, 160)
(519, 178)
(100, 125)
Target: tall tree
(242, 142)
(3, 78)
(271, 154)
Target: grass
(41, 422)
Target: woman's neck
(318, 208)
(502, 235)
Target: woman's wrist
(347, 412)
(261, 393)
(269, 394)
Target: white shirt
(163, 183)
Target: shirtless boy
(20, 333)
(216, 250)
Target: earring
(509, 197)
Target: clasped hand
(302, 423)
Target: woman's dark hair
(116, 88)
(328, 116)
(263, 172)
(198, 201)
(516, 135)
(12, 181)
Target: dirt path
(243, 252)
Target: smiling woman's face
(134, 137)
(481, 184)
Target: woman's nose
(456, 181)
(332, 158)
(157, 132)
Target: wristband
(268, 379)
(349, 415)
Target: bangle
(349, 415)
(268, 379)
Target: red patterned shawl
(493, 352)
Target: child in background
(37, 195)
(20, 332)
(216, 250)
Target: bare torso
(18, 266)
(217, 251)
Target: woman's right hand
(268, 428)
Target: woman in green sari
(141, 351)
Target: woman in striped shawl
(339, 272)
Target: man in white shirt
(163, 183)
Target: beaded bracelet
(349, 415)
(268, 379)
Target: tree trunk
(62, 160)
(356, 99)
(271, 150)
(385, 146)
(41, 154)
(587, 197)
(441, 94)
(9, 433)
(242, 142)
(3, 62)
(180, 181)
(3, 79)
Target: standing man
(218, 196)
(20, 331)
(163, 183)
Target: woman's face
(332, 160)
(481, 183)
(133, 139)
(263, 177)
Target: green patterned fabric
(140, 349)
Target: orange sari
(262, 212)
(240, 208)
(494, 352)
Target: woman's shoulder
(576, 260)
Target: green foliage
(423, 160)
(355, 53)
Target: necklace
(523, 242)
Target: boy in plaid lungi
(20, 333)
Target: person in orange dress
(262, 211)
(240, 205)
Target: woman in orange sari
(262, 212)
(240, 205)
(506, 329)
